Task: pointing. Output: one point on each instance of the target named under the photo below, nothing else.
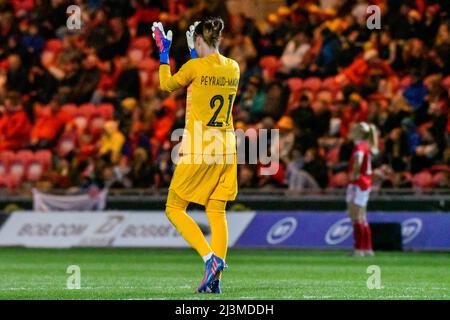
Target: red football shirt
(361, 153)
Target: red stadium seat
(423, 180)
(331, 84)
(149, 65)
(86, 110)
(26, 156)
(17, 168)
(313, 84)
(142, 43)
(54, 45)
(270, 62)
(9, 181)
(96, 126)
(106, 110)
(67, 143)
(81, 123)
(440, 167)
(3, 169)
(44, 157)
(35, 171)
(295, 84)
(2, 181)
(6, 158)
(70, 108)
(440, 179)
(339, 180)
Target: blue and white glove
(190, 40)
(163, 41)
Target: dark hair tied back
(210, 30)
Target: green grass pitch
(252, 274)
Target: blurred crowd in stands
(82, 108)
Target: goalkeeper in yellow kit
(207, 170)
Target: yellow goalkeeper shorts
(197, 181)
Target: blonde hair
(369, 132)
(373, 139)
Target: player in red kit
(365, 140)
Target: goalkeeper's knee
(171, 212)
(175, 205)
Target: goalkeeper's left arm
(184, 76)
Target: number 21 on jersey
(217, 102)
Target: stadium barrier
(252, 199)
(248, 229)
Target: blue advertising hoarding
(333, 230)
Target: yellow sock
(215, 210)
(188, 228)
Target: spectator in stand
(99, 31)
(416, 92)
(240, 46)
(326, 61)
(439, 113)
(247, 176)
(389, 50)
(87, 82)
(142, 172)
(17, 78)
(286, 138)
(299, 175)
(108, 77)
(11, 47)
(117, 42)
(398, 110)
(360, 71)
(303, 116)
(33, 41)
(252, 100)
(15, 126)
(49, 123)
(111, 142)
(426, 152)
(355, 111)
(295, 52)
(442, 47)
(43, 85)
(396, 150)
(128, 84)
(410, 132)
(164, 120)
(397, 78)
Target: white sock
(207, 257)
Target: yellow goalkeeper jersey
(213, 83)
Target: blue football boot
(213, 267)
(215, 287)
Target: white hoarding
(106, 229)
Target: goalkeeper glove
(163, 41)
(190, 40)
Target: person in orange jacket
(15, 127)
(50, 120)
